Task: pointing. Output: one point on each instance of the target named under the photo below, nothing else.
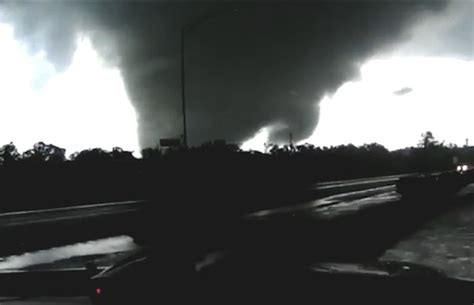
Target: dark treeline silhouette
(215, 174)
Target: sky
(83, 74)
(84, 106)
(424, 83)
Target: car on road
(434, 187)
(461, 168)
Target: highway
(446, 242)
(81, 212)
(330, 206)
(443, 241)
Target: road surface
(74, 213)
(446, 242)
(335, 205)
(75, 255)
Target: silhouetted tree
(427, 140)
(42, 152)
(95, 155)
(119, 154)
(306, 148)
(9, 154)
(215, 167)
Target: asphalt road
(446, 242)
(69, 255)
(67, 214)
(443, 243)
(106, 251)
(75, 255)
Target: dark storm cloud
(450, 34)
(267, 64)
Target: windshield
(320, 132)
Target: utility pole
(185, 29)
(291, 139)
(183, 90)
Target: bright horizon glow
(261, 139)
(367, 110)
(257, 142)
(85, 106)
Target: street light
(185, 29)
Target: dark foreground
(302, 253)
(302, 256)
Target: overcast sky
(106, 73)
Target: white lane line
(74, 208)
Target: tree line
(225, 176)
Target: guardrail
(69, 213)
(360, 180)
(43, 216)
(320, 195)
(323, 189)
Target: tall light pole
(186, 28)
(183, 89)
